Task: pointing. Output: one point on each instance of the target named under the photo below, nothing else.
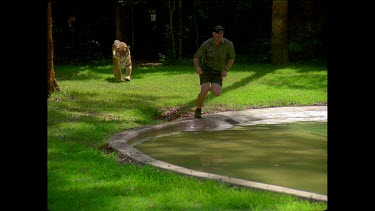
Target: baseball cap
(218, 29)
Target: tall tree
(51, 80)
(122, 22)
(196, 25)
(171, 7)
(279, 44)
(180, 29)
(118, 12)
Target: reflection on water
(292, 155)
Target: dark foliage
(247, 23)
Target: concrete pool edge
(222, 120)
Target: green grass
(84, 174)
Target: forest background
(169, 30)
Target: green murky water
(292, 155)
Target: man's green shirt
(215, 57)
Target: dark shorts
(211, 76)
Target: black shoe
(197, 113)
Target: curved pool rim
(122, 141)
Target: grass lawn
(84, 174)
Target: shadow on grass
(86, 72)
(186, 110)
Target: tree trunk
(51, 80)
(180, 29)
(133, 37)
(307, 6)
(171, 9)
(279, 32)
(196, 26)
(118, 9)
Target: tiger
(121, 60)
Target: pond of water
(292, 155)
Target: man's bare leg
(215, 89)
(200, 99)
